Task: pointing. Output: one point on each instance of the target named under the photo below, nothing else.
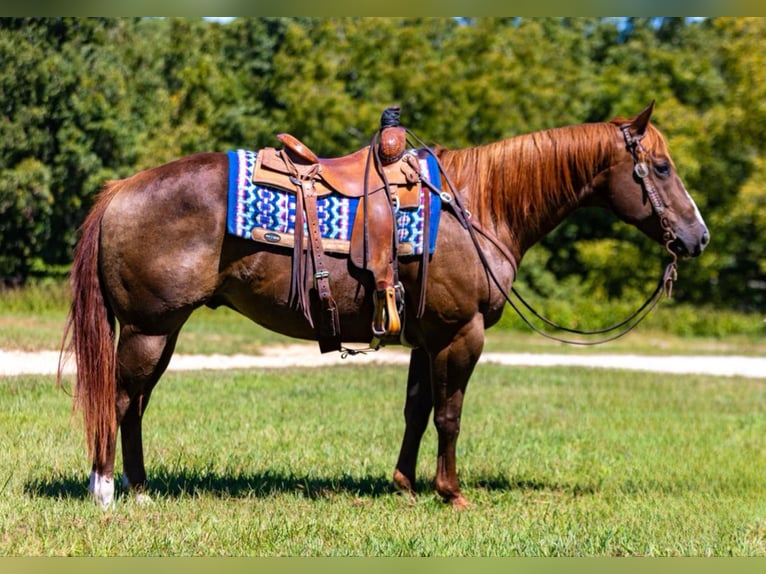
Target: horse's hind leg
(417, 409)
(141, 361)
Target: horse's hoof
(104, 503)
(143, 499)
(102, 490)
(137, 492)
(403, 484)
(460, 503)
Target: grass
(33, 319)
(558, 462)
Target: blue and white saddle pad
(268, 215)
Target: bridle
(664, 286)
(642, 172)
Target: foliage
(26, 203)
(86, 100)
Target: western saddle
(384, 177)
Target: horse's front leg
(416, 410)
(451, 368)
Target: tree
(26, 206)
(63, 94)
(89, 99)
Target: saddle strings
(298, 293)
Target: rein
(665, 284)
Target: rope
(390, 117)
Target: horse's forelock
(655, 143)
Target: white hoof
(102, 489)
(141, 498)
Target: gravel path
(45, 362)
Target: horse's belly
(259, 288)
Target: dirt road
(45, 362)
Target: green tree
(733, 178)
(89, 99)
(26, 206)
(65, 122)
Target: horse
(154, 248)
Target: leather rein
(475, 229)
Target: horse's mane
(514, 182)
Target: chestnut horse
(154, 248)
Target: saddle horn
(393, 137)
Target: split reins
(474, 228)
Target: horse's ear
(639, 123)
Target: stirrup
(386, 323)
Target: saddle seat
(381, 188)
(346, 174)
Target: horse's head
(644, 189)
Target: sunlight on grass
(558, 462)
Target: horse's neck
(523, 187)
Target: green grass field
(558, 462)
(223, 331)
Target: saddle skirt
(266, 214)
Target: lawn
(558, 462)
(297, 462)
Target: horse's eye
(662, 168)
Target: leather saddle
(383, 181)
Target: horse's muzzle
(690, 248)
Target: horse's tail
(90, 335)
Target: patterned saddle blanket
(267, 214)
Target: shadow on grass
(189, 482)
(176, 483)
(57, 486)
(517, 483)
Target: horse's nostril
(705, 239)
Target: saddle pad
(267, 214)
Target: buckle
(320, 275)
